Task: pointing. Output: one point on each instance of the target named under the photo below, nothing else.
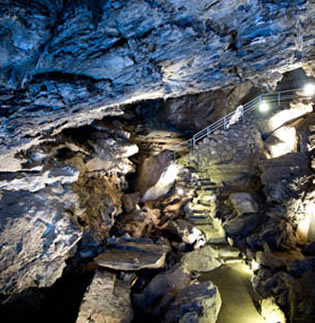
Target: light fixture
(264, 107)
(180, 191)
(309, 89)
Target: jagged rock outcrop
(37, 236)
(172, 297)
(78, 59)
(61, 202)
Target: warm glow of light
(180, 191)
(271, 311)
(275, 317)
(264, 107)
(244, 270)
(286, 142)
(309, 89)
(286, 115)
(255, 265)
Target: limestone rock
(140, 223)
(275, 232)
(37, 236)
(156, 176)
(200, 260)
(244, 203)
(132, 254)
(284, 177)
(36, 181)
(277, 260)
(243, 226)
(267, 283)
(282, 141)
(159, 292)
(130, 201)
(96, 163)
(100, 202)
(186, 231)
(107, 300)
(171, 294)
(69, 63)
(301, 291)
(198, 302)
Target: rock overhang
(67, 63)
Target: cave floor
(233, 281)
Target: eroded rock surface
(59, 203)
(37, 236)
(132, 254)
(89, 57)
(106, 300)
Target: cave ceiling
(65, 63)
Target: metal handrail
(273, 97)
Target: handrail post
(224, 123)
(279, 100)
(242, 114)
(193, 143)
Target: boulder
(267, 283)
(276, 232)
(140, 223)
(243, 226)
(159, 292)
(200, 260)
(186, 231)
(174, 297)
(130, 202)
(198, 303)
(107, 300)
(157, 175)
(277, 260)
(244, 203)
(37, 235)
(132, 254)
(282, 141)
(301, 291)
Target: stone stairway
(154, 142)
(201, 210)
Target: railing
(230, 119)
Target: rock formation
(66, 63)
(93, 96)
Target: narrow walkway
(234, 286)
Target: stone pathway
(233, 282)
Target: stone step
(198, 219)
(203, 189)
